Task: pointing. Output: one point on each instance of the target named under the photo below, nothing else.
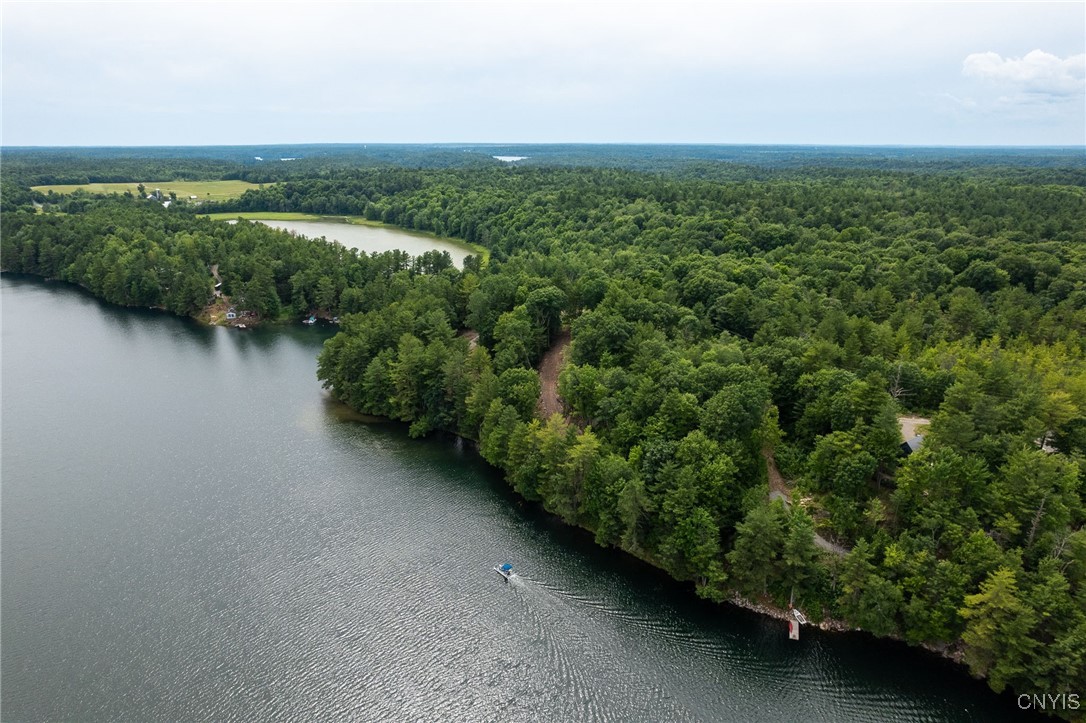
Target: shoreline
(951, 652)
(204, 317)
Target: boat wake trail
(660, 629)
(567, 628)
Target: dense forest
(725, 324)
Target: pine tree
(997, 631)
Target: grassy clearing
(203, 190)
(270, 216)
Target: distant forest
(747, 324)
(48, 166)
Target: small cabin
(231, 313)
(911, 445)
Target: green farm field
(203, 190)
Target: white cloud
(1037, 74)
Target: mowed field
(203, 190)
(280, 216)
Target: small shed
(231, 313)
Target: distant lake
(192, 531)
(374, 238)
(510, 159)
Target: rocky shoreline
(950, 651)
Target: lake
(374, 238)
(191, 531)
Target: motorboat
(505, 570)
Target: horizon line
(710, 144)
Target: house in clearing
(911, 433)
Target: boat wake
(560, 623)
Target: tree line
(135, 253)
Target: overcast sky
(194, 73)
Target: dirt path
(828, 546)
(911, 426)
(218, 281)
(472, 336)
(548, 377)
(779, 490)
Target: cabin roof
(912, 445)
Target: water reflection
(375, 239)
